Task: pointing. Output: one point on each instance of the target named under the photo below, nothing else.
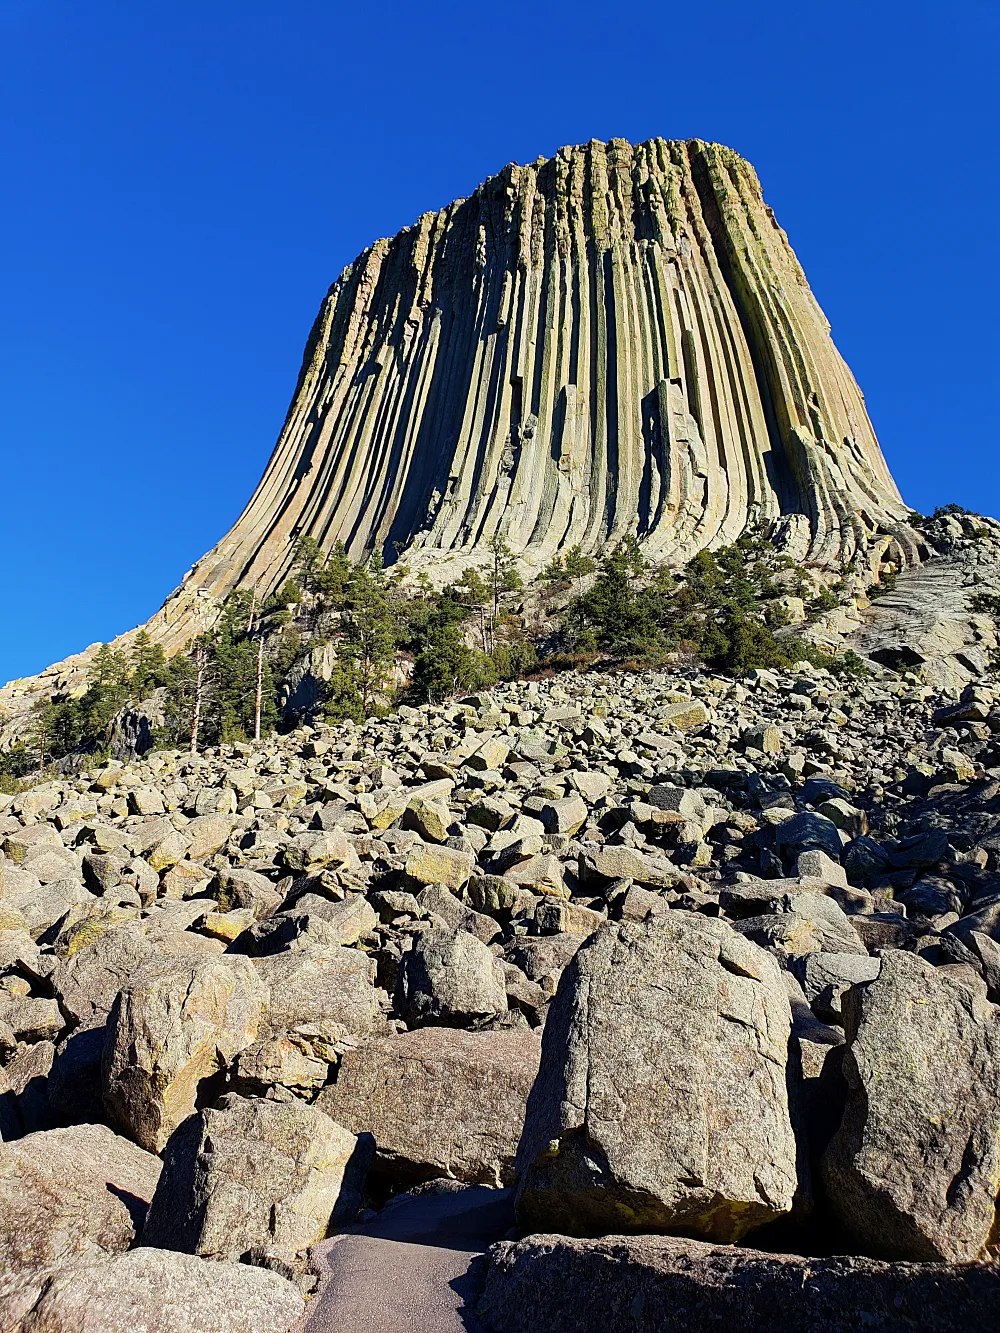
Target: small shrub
(887, 583)
(825, 600)
(942, 511)
(985, 603)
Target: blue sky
(183, 181)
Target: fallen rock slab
(71, 1192)
(317, 983)
(450, 977)
(913, 1171)
(251, 1172)
(160, 1291)
(177, 1022)
(665, 1284)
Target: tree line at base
(724, 609)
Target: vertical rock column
(614, 341)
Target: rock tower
(615, 340)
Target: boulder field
(699, 975)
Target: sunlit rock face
(614, 341)
(617, 340)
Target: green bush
(571, 565)
(722, 607)
(984, 603)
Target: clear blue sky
(182, 180)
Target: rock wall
(617, 340)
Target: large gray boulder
(234, 887)
(42, 904)
(87, 983)
(177, 1022)
(106, 954)
(805, 832)
(912, 1172)
(661, 1101)
(159, 1291)
(347, 920)
(542, 958)
(71, 1192)
(452, 978)
(665, 1284)
(826, 976)
(439, 1102)
(251, 1172)
(320, 983)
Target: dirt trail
(411, 1269)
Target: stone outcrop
(439, 1102)
(71, 1193)
(615, 341)
(155, 1291)
(175, 1024)
(661, 1101)
(252, 1172)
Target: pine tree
(232, 673)
(109, 689)
(475, 594)
(445, 662)
(181, 688)
(324, 577)
(42, 731)
(371, 631)
(615, 614)
(199, 685)
(148, 666)
(577, 566)
(503, 578)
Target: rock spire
(616, 340)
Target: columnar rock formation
(614, 341)
(617, 340)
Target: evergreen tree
(615, 614)
(503, 575)
(570, 567)
(148, 666)
(324, 577)
(475, 593)
(181, 690)
(445, 662)
(44, 738)
(308, 559)
(577, 565)
(343, 698)
(371, 630)
(109, 689)
(231, 693)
